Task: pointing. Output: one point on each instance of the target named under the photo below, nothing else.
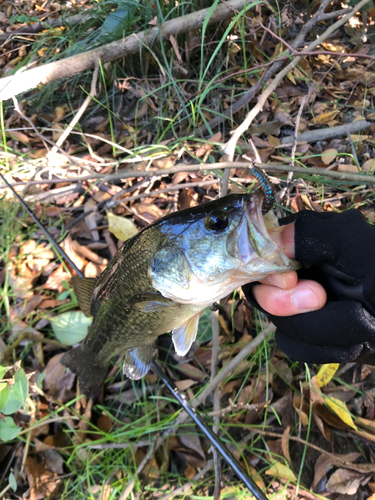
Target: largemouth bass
(163, 278)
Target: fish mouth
(249, 239)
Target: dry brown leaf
(70, 248)
(345, 482)
(190, 439)
(326, 117)
(183, 385)
(42, 481)
(369, 166)
(57, 381)
(329, 155)
(324, 464)
(347, 168)
(91, 218)
(191, 371)
(322, 426)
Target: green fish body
(164, 277)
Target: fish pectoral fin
(84, 288)
(138, 361)
(151, 302)
(183, 336)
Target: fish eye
(216, 222)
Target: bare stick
(294, 148)
(23, 80)
(327, 133)
(79, 113)
(230, 146)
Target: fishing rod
(226, 454)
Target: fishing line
(229, 458)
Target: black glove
(338, 251)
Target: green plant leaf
(3, 370)
(12, 481)
(70, 327)
(12, 405)
(4, 394)
(204, 333)
(21, 386)
(8, 429)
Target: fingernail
(277, 280)
(304, 299)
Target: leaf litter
(325, 427)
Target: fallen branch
(23, 80)
(269, 167)
(327, 133)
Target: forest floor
(99, 151)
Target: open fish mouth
(249, 240)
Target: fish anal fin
(151, 302)
(138, 361)
(83, 288)
(183, 336)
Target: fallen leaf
(343, 167)
(70, 327)
(329, 155)
(339, 407)
(57, 381)
(324, 464)
(344, 481)
(325, 117)
(121, 227)
(369, 166)
(281, 471)
(325, 373)
(42, 481)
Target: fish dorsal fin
(183, 336)
(151, 302)
(83, 288)
(138, 361)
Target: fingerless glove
(338, 251)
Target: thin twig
(78, 115)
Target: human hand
(283, 294)
(337, 285)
